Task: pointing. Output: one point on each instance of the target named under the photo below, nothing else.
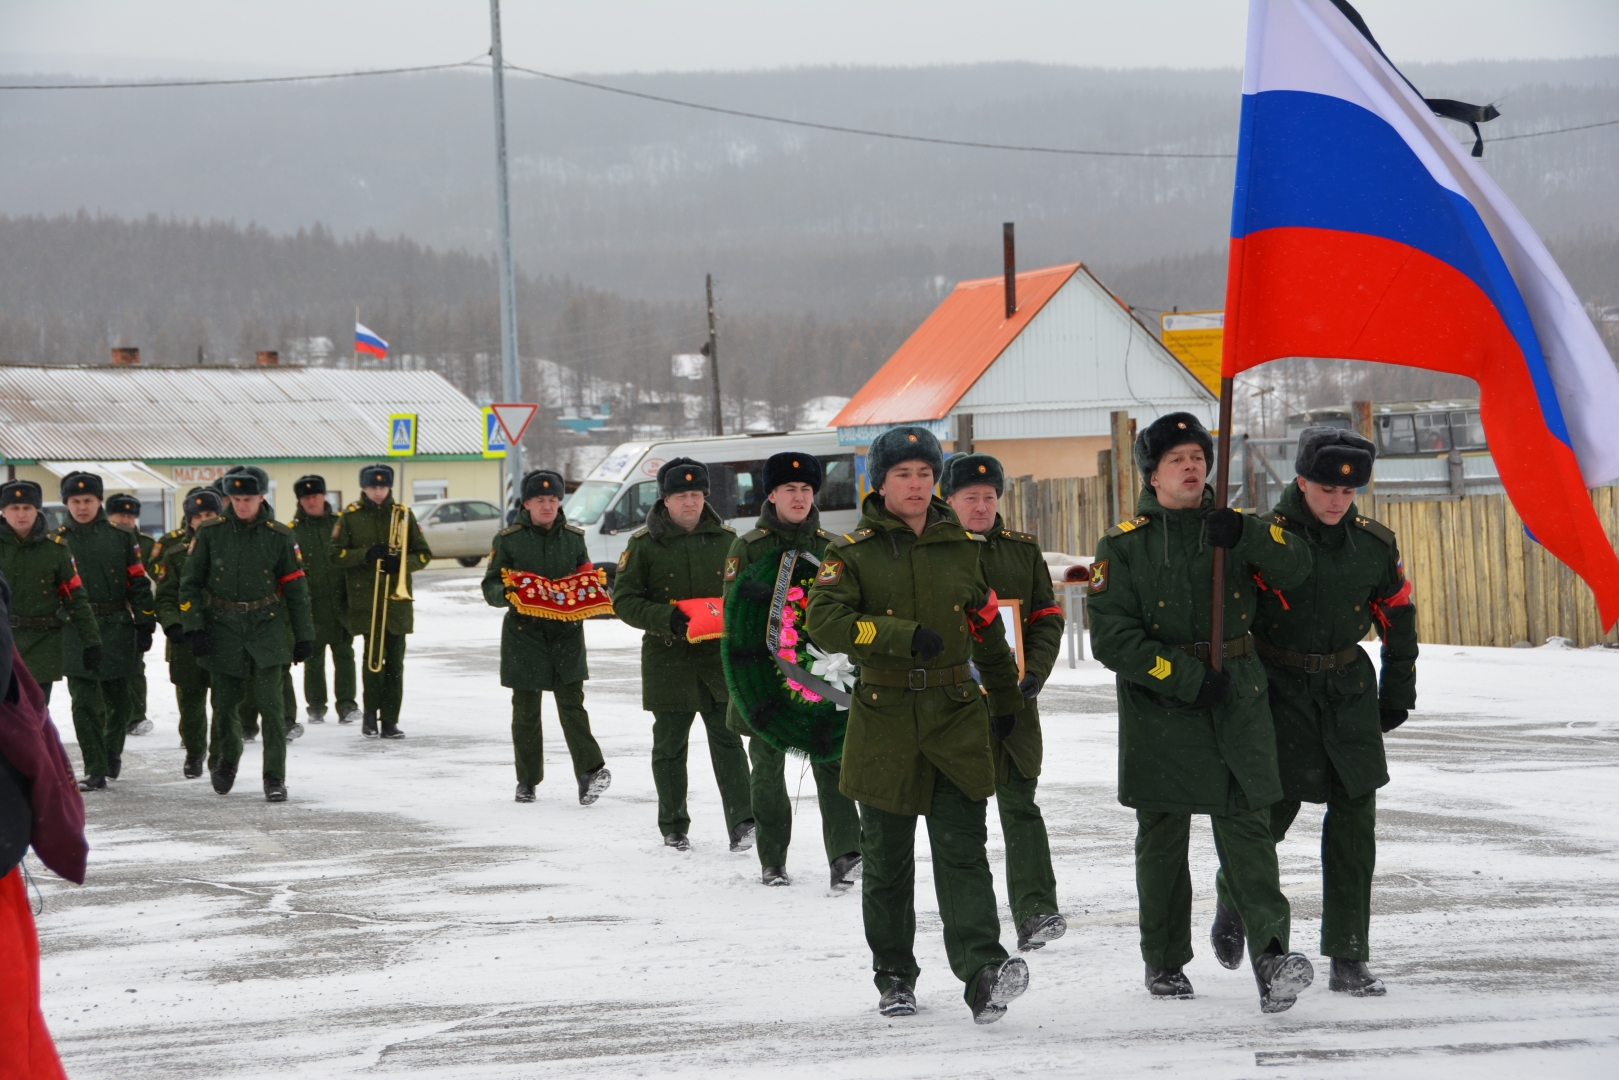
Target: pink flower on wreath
(803, 691)
(789, 636)
(789, 616)
(795, 594)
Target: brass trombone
(382, 592)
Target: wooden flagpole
(1222, 485)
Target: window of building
(428, 490)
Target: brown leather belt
(109, 609)
(1237, 646)
(44, 622)
(242, 607)
(917, 678)
(1310, 662)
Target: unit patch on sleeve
(623, 559)
(1099, 577)
(831, 573)
(730, 568)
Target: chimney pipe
(269, 358)
(1011, 269)
(123, 355)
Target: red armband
(1259, 581)
(136, 570)
(1401, 597)
(1050, 609)
(288, 577)
(983, 614)
(65, 590)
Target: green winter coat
(661, 565)
(538, 654)
(770, 536)
(876, 586)
(44, 585)
(170, 554)
(328, 594)
(1357, 581)
(108, 558)
(236, 561)
(1016, 570)
(362, 524)
(1150, 592)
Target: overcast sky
(193, 37)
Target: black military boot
(139, 727)
(843, 868)
(391, 731)
(93, 783)
(898, 1000)
(224, 776)
(349, 717)
(315, 714)
(998, 986)
(1281, 978)
(1168, 983)
(368, 726)
(274, 789)
(1227, 936)
(775, 875)
(295, 731)
(115, 765)
(593, 783)
(677, 840)
(1351, 977)
(742, 836)
(193, 768)
(1038, 929)
(525, 792)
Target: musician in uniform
(362, 540)
(542, 639)
(44, 581)
(312, 527)
(124, 509)
(189, 677)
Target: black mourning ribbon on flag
(1459, 111)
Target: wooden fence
(1477, 577)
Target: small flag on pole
(369, 343)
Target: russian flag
(369, 342)
(1362, 230)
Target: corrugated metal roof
(951, 349)
(211, 414)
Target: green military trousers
(671, 736)
(385, 689)
(957, 835)
(250, 706)
(1348, 857)
(343, 683)
(137, 690)
(101, 712)
(1031, 883)
(528, 743)
(773, 808)
(1247, 854)
(193, 703)
(229, 691)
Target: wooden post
(1222, 483)
(964, 433)
(1250, 477)
(1362, 411)
(1104, 473)
(1123, 461)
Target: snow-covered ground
(402, 915)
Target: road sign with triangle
(514, 419)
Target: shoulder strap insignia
(355, 505)
(58, 538)
(852, 538)
(571, 527)
(514, 527)
(727, 528)
(980, 537)
(822, 534)
(755, 534)
(283, 529)
(1027, 538)
(210, 523)
(1127, 526)
(1376, 528)
(638, 533)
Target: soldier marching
(313, 529)
(45, 587)
(190, 678)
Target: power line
(1554, 131)
(243, 82)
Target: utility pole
(508, 284)
(713, 352)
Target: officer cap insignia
(1181, 424)
(795, 463)
(911, 437)
(688, 476)
(983, 468)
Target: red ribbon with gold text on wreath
(577, 596)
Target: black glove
(375, 552)
(1029, 686)
(390, 563)
(143, 639)
(302, 650)
(926, 644)
(1216, 685)
(174, 632)
(1224, 527)
(1389, 719)
(1001, 726)
(201, 644)
(678, 621)
(92, 657)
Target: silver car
(459, 529)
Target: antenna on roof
(1011, 269)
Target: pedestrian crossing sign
(402, 435)
(494, 436)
